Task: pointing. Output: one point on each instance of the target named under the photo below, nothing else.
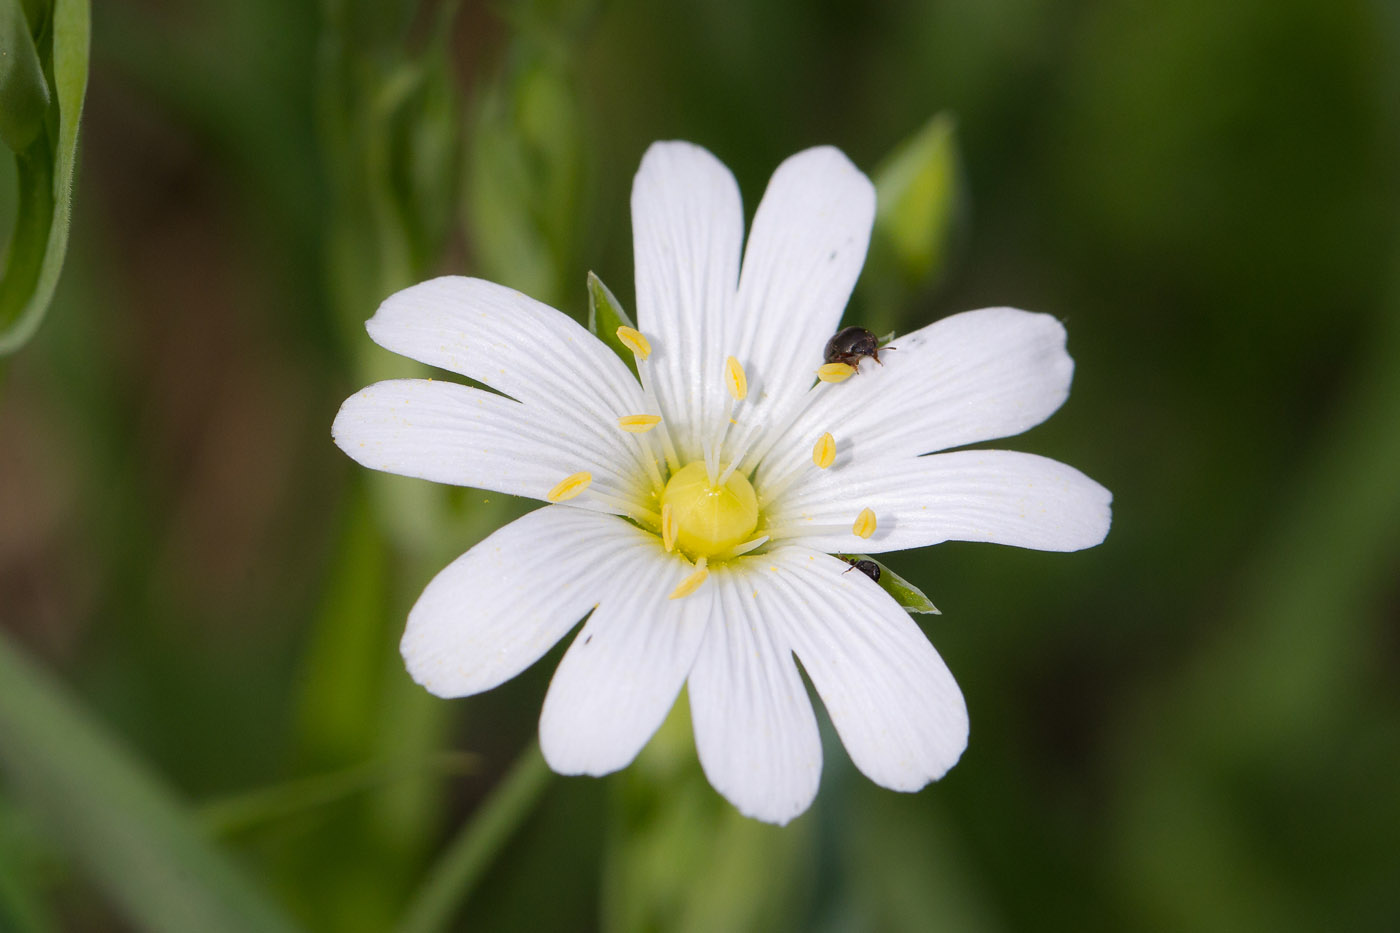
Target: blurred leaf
(237, 814)
(917, 193)
(457, 871)
(45, 170)
(907, 868)
(390, 129)
(128, 830)
(905, 593)
(22, 908)
(524, 193)
(1280, 686)
(682, 858)
(605, 316)
(24, 94)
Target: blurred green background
(1194, 726)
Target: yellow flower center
(709, 519)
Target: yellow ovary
(709, 519)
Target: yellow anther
(669, 527)
(692, 583)
(865, 524)
(638, 424)
(569, 487)
(835, 372)
(633, 340)
(824, 451)
(735, 379)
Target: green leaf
(605, 316)
(111, 815)
(45, 169)
(905, 593)
(917, 200)
(24, 94)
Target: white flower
(693, 516)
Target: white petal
(626, 666)
(495, 610)
(891, 698)
(754, 726)
(968, 378)
(804, 255)
(687, 231)
(451, 433)
(999, 496)
(515, 345)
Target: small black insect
(850, 345)
(867, 567)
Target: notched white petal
(624, 669)
(891, 698)
(968, 378)
(495, 610)
(687, 231)
(804, 254)
(455, 434)
(997, 496)
(755, 730)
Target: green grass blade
(106, 811)
(475, 847)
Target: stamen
(639, 514)
(638, 424)
(824, 451)
(692, 583)
(864, 526)
(669, 528)
(569, 487)
(803, 529)
(711, 456)
(835, 372)
(742, 548)
(738, 457)
(735, 380)
(633, 340)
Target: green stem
(476, 845)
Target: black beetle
(850, 345)
(867, 567)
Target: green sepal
(909, 596)
(605, 316)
